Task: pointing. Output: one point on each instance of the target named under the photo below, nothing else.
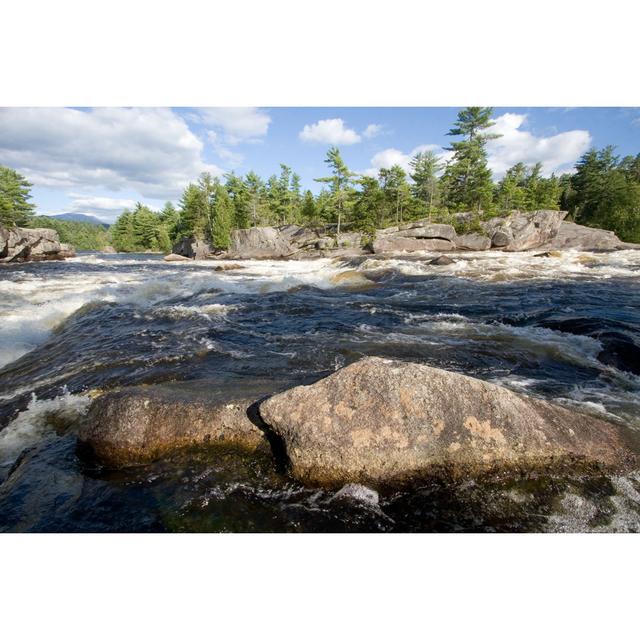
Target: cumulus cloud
(372, 130)
(331, 131)
(150, 151)
(557, 153)
(387, 158)
(235, 125)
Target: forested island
(603, 192)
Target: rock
(473, 242)
(429, 231)
(357, 493)
(576, 236)
(501, 238)
(389, 421)
(108, 249)
(352, 278)
(66, 251)
(174, 257)
(228, 267)
(31, 245)
(393, 243)
(522, 231)
(259, 242)
(140, 424)
(442, 260)
(349, 240)
(193, 248)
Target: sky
(100, 160)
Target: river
(564, 327)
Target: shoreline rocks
(20, 244)
(387, 421)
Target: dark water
(566, 328)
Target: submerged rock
(140, 424)
(390, 421)
(442, 260)
(357, 493)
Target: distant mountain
(80, 217)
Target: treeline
(84, 236)
(604, 192)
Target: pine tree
(425, 167)
(340, 187)
(370, 206)
(222, 218)
(15, 193)
(256, 198)
(511, 192)
(308, 212)
(467, 178)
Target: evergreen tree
(340, 187)
(467, 178)
(256, 196)
(222, 218)
(170, 219)
(425, 167)
(370, 206)
(15, 193)
(309, 212)
(511, 192)
(396, 191)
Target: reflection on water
(564, 327)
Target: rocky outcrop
(385, 421)
(193, 248)
(522, 231)
(32, 245)
(140, 424)
(260, 242)
(473, 242)
(576, 236)
(421, 235)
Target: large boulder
(522, 231)
(392, 243)
(25, 245)
(473, 242)
(140, 424)
(260, 242)
(386, 421)
(174, 257)
(575, 236)
(193, 248)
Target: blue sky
(99, 160)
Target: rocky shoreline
(19, 244)
(519, 231)
(378, 421)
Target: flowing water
(564, 327)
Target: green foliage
(525, 189)
(144, 230)
(605, 193)
(82, 235)
(467, 179)
(15, 193)
(222, 218)
(425, 167)
(341, 192)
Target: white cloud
(236, 124)
(372, 130)
(558, 153)
(150, 151)
(331, 131)
(389, 157)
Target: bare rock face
(193, 248)
(576, 236)
(32, 245)
(391, 243)
(388, 421)
(140, 424)
(423, 229)
(473, 242)
(522, 231)
(259, 242)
